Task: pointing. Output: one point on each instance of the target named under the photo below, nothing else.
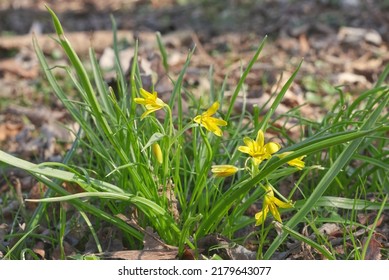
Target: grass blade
(243, 78)
(344, 157)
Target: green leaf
(343, 203)
(337, 166)
(154, 138)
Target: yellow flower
(257, 149)
(150, 101)
(296, 162)
(210, 123)
(157, 152)
(270, 203)
(224, 170)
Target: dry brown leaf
(141, 255)
(9, 129)
(37, 115)
(373, 251)
(39, 249)
(37, 192)
(330, 229)
(304, 44)
(12, 66)
(81, 41)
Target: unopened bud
(157, 152)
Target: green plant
(157, 171)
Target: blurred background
(343, 43)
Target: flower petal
(297, 162)
(249, 143)
(217, 131)
(152, 107)
(146, 94)
(260, 138)
(148, 111)
(269, 193)
(211, 126)
(257, 160)
(145, 113)
(272, 147)
(159, 102)
(260, 217)
(198, 119)
(281, 203)
(141, 101)
(210, 123)
(212, 110)
(150, 101)
(273, 209)
(218, 122)
(244, 149)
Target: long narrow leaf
(220, 208)
(278, 99)
(343, 158)
(343, 203)
(243, 78)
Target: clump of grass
(158, 172)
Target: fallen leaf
(373, 251)
(330, 229)
(9, 129)
(39, 249)
(140, 255)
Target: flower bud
(224, 170)
(157, 152)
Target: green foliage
(177, 196)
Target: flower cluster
(257, 150)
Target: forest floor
(342, 43)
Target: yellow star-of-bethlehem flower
(270, 203)
(296, 162)
(257, 149)
(210, 123)
(224, 170)
(150, 101)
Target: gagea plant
(195, 173)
